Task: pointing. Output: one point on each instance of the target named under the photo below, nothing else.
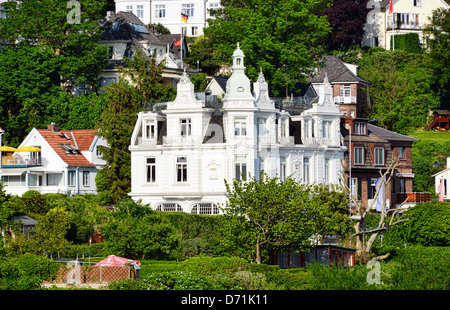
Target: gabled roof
(388, 135)
(221, 81)
(69, 144)
(127, 26)
(337, 72)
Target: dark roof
(442, 112)
(388, 135)
(171, 39)
(222, 81)
(336, 71)
(121, 26)
(25, 220)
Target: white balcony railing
(345, 99)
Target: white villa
(53, 161)
(181, 155)
(168, 13)
(408, 16)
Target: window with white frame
(185, 124)
(169, 207)
(53, 179)
(240, 126)
(150, 169)
(326, 171)
(129, 9)
(417, 3)
(240, 163)
(305, 169)
(188, 9)
(86, 178)
(140, 11)
(194, 31)
(261, 164)
(345, 91)
(150, 129)
(401, 152)
(415, 18)
(379, 156)
(360, 128)
(71, 178)
(261, 123)
(213, 7)
(358, 155)
(282, 168)
(160, 11)
(182, 169)
(326, 129)
(205, 208)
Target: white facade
(412, 14)
(54, 169)
(181, 156)
(168, 13)
(442, 182)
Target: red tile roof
(83, 139)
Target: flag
(177, 43)
(184, 18)
(391, 7)
(380, 196)
(441, 185)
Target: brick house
(372, 150)
(350, 91)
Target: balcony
(20, 161)
(345, 99)
(413, 197)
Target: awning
(5, 148)
(28, 149)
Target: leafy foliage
(400, 88)
(281, 37)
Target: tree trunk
(258, 252)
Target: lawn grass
(432, 136)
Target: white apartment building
(168, 13)
(408, 16)
(181, 155)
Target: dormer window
(185, 124)
(149, 129)
(360, 128)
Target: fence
(90, 274)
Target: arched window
(205, 208)
(169, 207)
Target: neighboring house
(126, 34)
(217, 85)
(372, 150)
(63, 161)
(168, 13)
(442, 182)
(181, 155)
(440, 121)
(409, 16)
(350, 91)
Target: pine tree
(124, 101)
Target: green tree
(123, 102)
(281, 37)
(438, 43)
(400, 88)
(285, 219)
(69, 29)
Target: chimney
(109, 15)
(53, 127)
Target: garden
(180, 251)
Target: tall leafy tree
(288, 218)
(400, 91)
(123, 102)
(347, 19)
(281, 37)
(70, 29)
(438, 43)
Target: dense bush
(26, 272)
